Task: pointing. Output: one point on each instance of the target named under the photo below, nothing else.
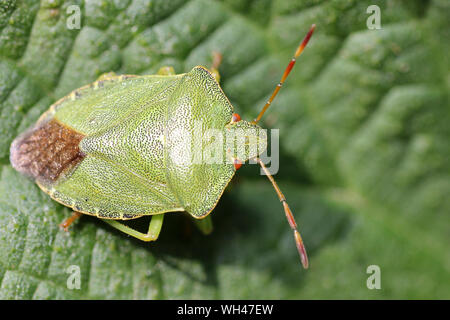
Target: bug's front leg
(166, 71)
(205, 225)
(214, 69)
(154, 228)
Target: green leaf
(364, 149)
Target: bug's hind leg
(154, 228)
(205, 225)
(67, 223)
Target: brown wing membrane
(46, 151)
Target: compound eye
(235, 117)
(237, 164)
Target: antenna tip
(311, 31)
(301, 249)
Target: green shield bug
(121, 148)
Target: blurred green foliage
(364, 149)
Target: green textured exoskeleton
(133, 162)
(128, 146)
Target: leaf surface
(364, 150)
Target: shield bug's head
(245, 140)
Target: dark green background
(364, 134)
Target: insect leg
(205, 225)
(107, 76)
(66, 223)
(290, 217)
(152, 234)
(166, 71)
(214, 69)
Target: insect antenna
(286, 72)
(289, 216)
